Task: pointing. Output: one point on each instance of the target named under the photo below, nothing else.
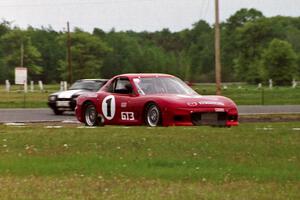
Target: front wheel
(90, 115)
(57, 112)
(153, 116)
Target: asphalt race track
(277, 109)
(46, 115)
(34, 115)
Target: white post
(25, 87)
(270, 83)
(61, 86)
(294, 83)
(65, 85)
(41, 86)
(31, 86)
(7, 85)
(259, 85)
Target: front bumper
(201, 116)
(69, 104)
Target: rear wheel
(90, 115)
(152, 115)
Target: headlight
(75, 97)
(52, 98)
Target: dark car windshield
(87, 85)
(162, 85)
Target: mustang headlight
(74, 97)
(52, 98)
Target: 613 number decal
(127, 116)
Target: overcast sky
(138, 15)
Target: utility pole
(22, 55)
(70, 77)
(217, 49)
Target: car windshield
(87, 85)
(162, 85)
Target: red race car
(154, 100)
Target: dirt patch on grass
(81, 187)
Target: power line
(72, 3)
(65, 4)
(206, 9)
(77, 3)
(203, 8)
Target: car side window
(123, 86)
(110, 87)
(120, 86)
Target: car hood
(68, 94)
(190, 101)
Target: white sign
(20, 75)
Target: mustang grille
(63, 99)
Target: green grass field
(246, 95)
(252, 161)
(251, 95)
(17, 99)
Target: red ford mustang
(153, 99)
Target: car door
(117, 104)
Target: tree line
(255, 49)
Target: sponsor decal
(219, 109)
(109, 107)
(214, 98)
(211, 103)
(127, 116)
(189, 96)
(194, 104)
(123, 104)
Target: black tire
(90, 115)
(58, 112)
(153, 115)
